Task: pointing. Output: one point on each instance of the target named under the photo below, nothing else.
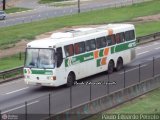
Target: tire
(119, 65)
(70, 79)
(110, 67)
(4, 18)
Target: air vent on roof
(76, 32)
(60, 35)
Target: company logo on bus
(130, 45)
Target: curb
(21, 12)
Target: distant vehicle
(71, 55)
(2, 15)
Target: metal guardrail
(148, 38)
(18, 72)
(11, 74)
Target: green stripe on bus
(79, 59)
(101, 53)
(90, 56)
(122, 47)
(46, 72)
(98, 62)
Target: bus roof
(76, 35)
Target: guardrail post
(79, 6)
(3, 76)
(21, 70)
(154, 36)
(139, 73)
(49, 107)
(4, 4)
(153, 66)
(124, 77)
(90, 87)
(0, 115)
(25, 110)
(71, 97)
(108, 85)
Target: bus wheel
(119, 65)
(110, 67)
(70, 79)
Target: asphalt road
(51, 12)
(13, 95)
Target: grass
(49, 1)
(11, 62)
(15, 9)
(146, 104)
(28, 31)
(63, 4)
(147, 28)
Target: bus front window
(40, 58)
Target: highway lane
(50, 12)
(16, 92)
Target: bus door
(60, 67)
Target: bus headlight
(52, 78)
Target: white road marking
(19, 107)
(133, 69)
(157, 48)
(142, 52)
(16, 90)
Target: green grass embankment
(146, 104)
(11, 62)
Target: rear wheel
(119, 65)
(70, 79)
(110, 67)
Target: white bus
(71, 55)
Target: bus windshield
(40, 58)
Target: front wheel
(70, 80)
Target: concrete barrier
(108, 101)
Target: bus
(67, 56)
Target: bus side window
(90, 45)
(132, 35)
(120, 37)
(59, 56)
(101, 42)
(79, 47)
(69, 51)
(111, 40)
(129, 35)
